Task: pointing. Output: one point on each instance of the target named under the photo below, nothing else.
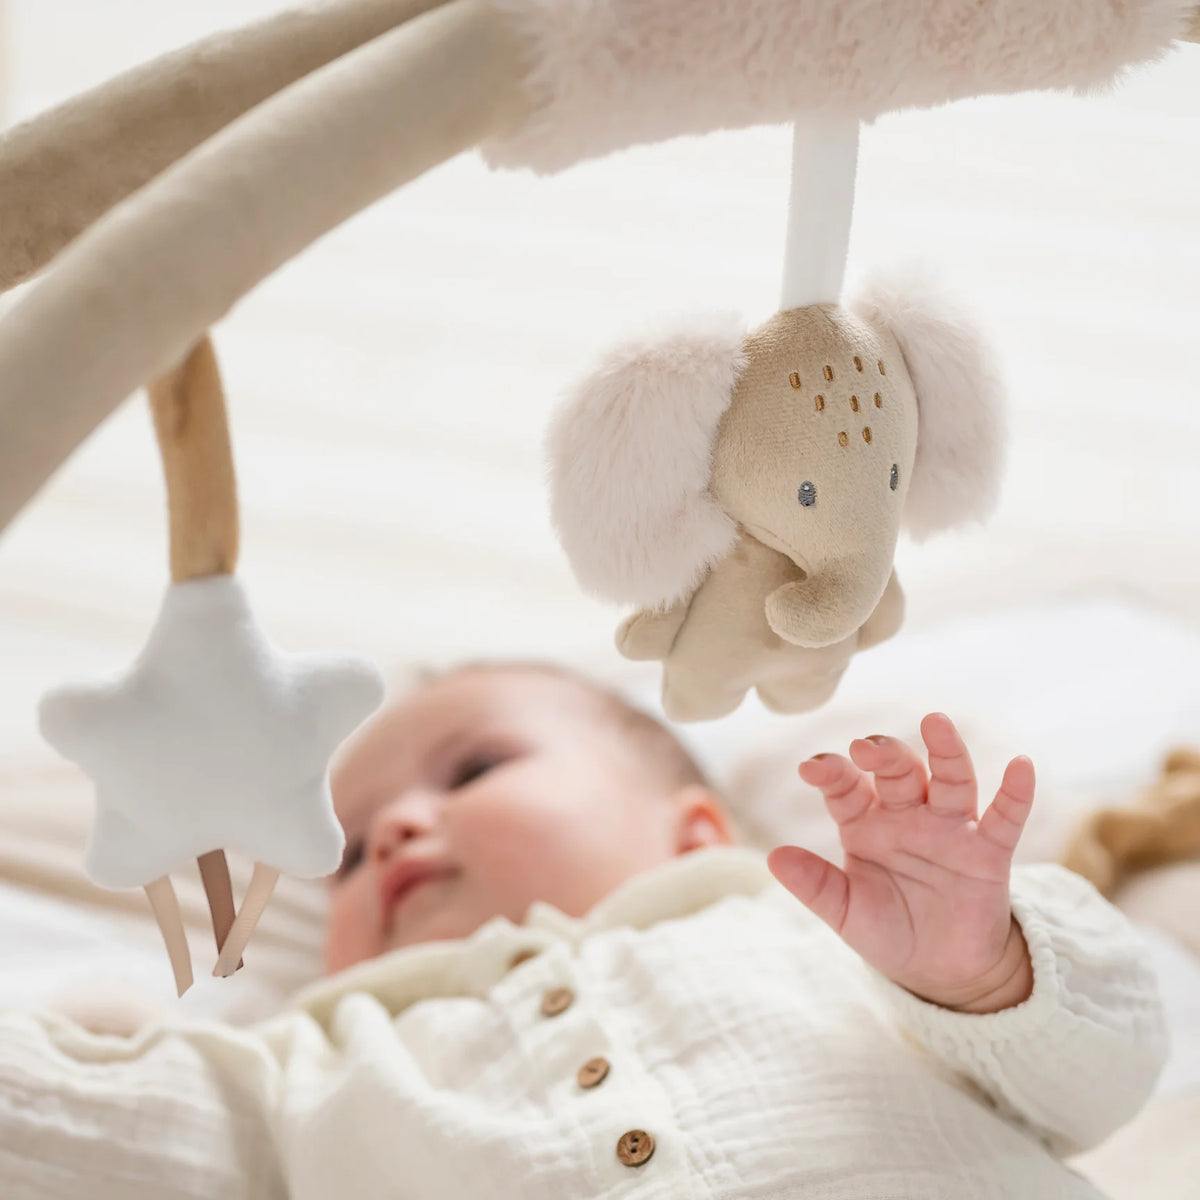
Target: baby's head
(497, 785)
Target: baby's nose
(403, 820)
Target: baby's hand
(924, 894)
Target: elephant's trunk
(827, 605)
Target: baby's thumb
(816, 883)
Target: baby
(554, 975)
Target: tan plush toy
(1161, 826)
(747, 492)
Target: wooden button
(635, 1147)
(521, 956)
(557, 1000)
(592, 1072)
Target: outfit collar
(471, 965)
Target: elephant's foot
(787, 697)
(698, 703)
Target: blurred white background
(389, 389)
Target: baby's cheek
(352, 931)
(526, 854)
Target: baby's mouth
(403, 880)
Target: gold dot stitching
(867, 434)
(843, 439)
(794, 380)
(878, 400)
(881, 370)
(820, 402)
(828, 373)
(857, 363)
(854, 403)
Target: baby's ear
(700, 820)
(960, 399)
(630, 454)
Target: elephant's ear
(630, 455)
(960, 400)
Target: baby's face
(488, 790)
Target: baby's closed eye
(473, 768)
(464, 774)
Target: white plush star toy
(213, 739)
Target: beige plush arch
(536, 82)
(128, 298)
(62, 170)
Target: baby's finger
(1005, 817)
(848, 792)
(900, 778)
(953, 791)
(817, 884)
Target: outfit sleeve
(169, 1113)
(1080, 1056)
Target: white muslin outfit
(764, 1059)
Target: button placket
(635, 1146)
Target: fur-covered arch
(66, 167)
(530, 80)
(125, 302)
(604, 74)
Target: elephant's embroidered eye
(895, 476)
(808, 494)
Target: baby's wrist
(1007, 984)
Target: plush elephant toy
(747, 493)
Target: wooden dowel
(192, 427)
(190, 422)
